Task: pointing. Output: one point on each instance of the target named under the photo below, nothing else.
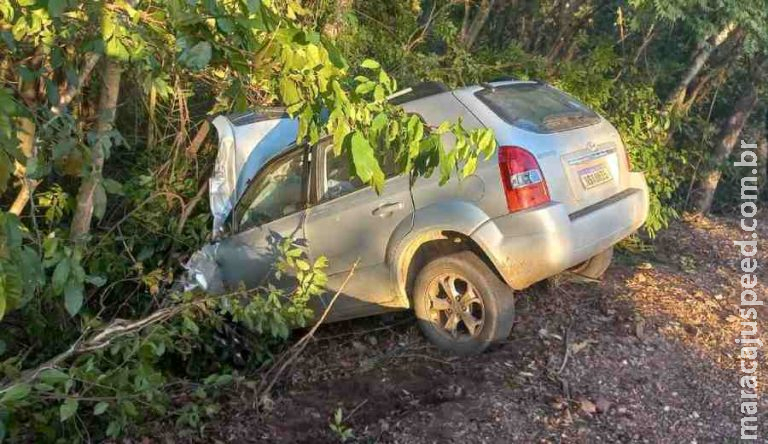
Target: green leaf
(68, 409)
(37, 169)
(362, 156)
(114, 429)
(366, 166)
(56, 7)
(302, 265)
(117, 50)
(60, 276)
(73, 297)
(63, 148)
(197, 57)
(100, 408)
(3, 302)
(15, 393)
(53, 376)
(190, 326)
(129, 408)
(19, 29)
(365, 88)
(113, 187)
(469, 167)
(6, 166)
(96, 281)
(99, 201)
(341, 131)
(370, 64)
(379, 94)
(41, 387)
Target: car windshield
(538, 108)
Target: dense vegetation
(105, 152)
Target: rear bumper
(532, 245)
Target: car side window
(337, 174)
(277, 192)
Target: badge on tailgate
(594, 176)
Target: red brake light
(524, 183)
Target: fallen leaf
(603, 405)
(588, 406)
(579, 346)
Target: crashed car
(557, 196)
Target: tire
(595, 267)
(452, 324)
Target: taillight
(523, 181)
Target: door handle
(387, 209)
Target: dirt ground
(651, 359)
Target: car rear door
(351, 223)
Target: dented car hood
(246, 143)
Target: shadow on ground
(651, 359)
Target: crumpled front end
(203, 271)
(246, 143)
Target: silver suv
(557, 196)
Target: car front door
(272, 208)
(352, 224)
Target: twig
(563, 382)
(422, 356)
(73, 89)
(103, 337)
(134, 210)
(567, 341)
(299, 347)
(567, 393)
(354, 410)
(368, 331)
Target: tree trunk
(27, 128)
(726, 140)
(26, 136)
(649, 36)
(700, 57)
(719, 66)
(110, 90)
(472, 31)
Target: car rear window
(537, 107)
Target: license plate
(594, 176)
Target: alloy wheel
(455, 306)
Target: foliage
(59, 138)
(92, 389)
(343, 432)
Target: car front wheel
(462, 306)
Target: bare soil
(651, 358)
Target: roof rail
(257, 115)
(419, 91)
(487, 85)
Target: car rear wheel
(461, 305)
(595, 267)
